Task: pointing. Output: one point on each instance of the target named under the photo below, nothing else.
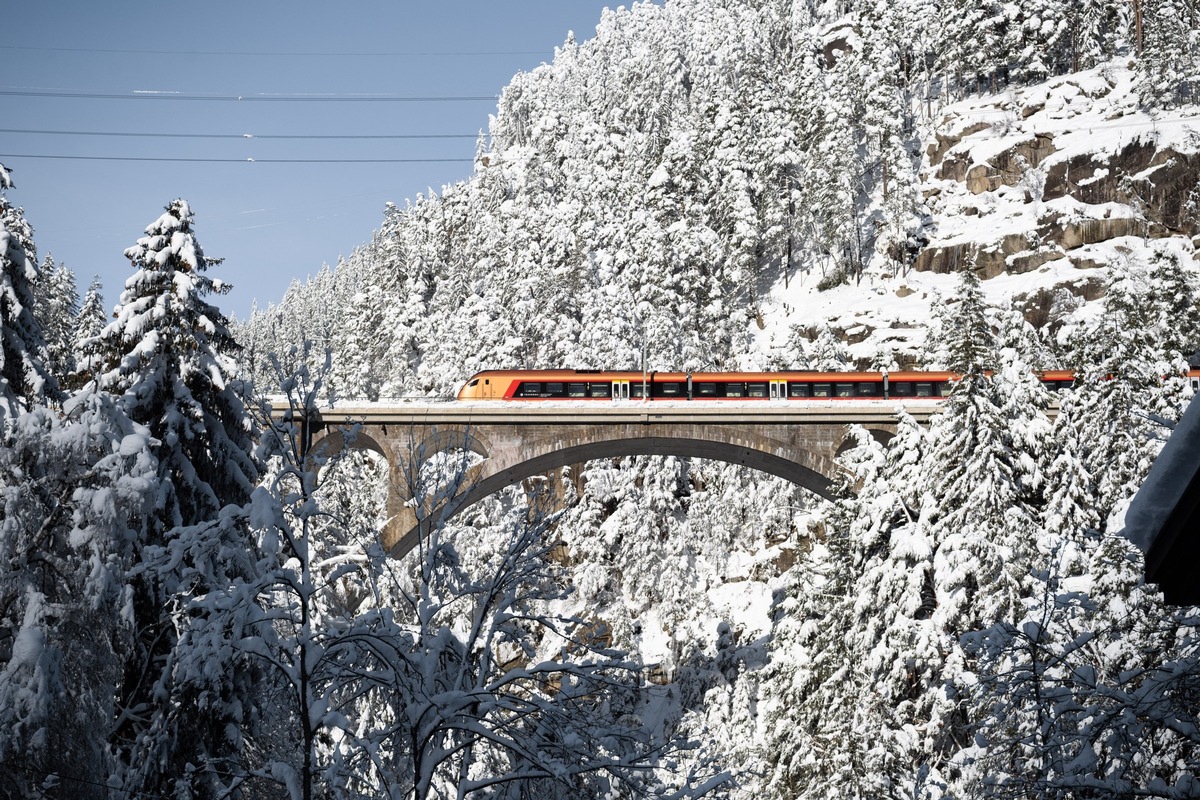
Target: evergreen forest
(193, 605)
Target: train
(600, 385)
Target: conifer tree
(824, 695)
(92, 317)
(88, 324)
(829, 352)
(1096, 28)
(978, 516)
(24, 379)
(73, 492)
(1169, 63)
(169, 355)
(1121, 368)
(962, 339)
(57, 306)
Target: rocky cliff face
(1067, 170)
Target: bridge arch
(405, 528)
(335, 440)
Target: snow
(745, 605)
(133, 443)
(29, 644)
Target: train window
(576, 390)
(924, 390)
(474, 382)
(821, 390)
(530, 389)
(554, 389)
(635, 389)
(670, 389)
(1068, 384)
(799, 390)
(944, 389)
(706, 389)
(756, 389)
(734, 390)
(843, 390)
(900, 389)
(601, 389)
(868, 389)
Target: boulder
(1007, 168)
(943, 142)
(1031, 260)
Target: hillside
(778, 184)
(1048, 187)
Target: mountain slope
(778, 184)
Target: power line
(307, 54)
(270, 98)
(250, 160)
(145, 134)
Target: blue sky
(271, 222)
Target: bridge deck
(599, 412)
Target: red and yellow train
(581, 384)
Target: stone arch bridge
(502, 443)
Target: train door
(779, 390)
(621, 390)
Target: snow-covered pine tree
(92, 317)
(962, 339)
(57, 307)
(888, 129)
(88, 324)
(169, 355)
(829, 352)
(902, 648)
(1174, 292)
(24, 379)
(169, 358)
(1093, 686)
(1037, 39)
(826, 706)
(1097, 27)
(978, 517)
(794, 351)
(362, 365)
(836, 182)
(1169, 63)
(73, 493)
(1121, 363)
